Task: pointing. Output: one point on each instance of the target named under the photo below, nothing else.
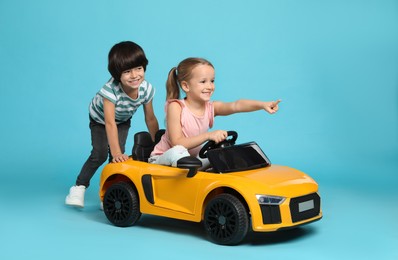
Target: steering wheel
(212, 145)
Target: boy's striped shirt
(125, 107)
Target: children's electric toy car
(240, 190)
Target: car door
(175, 191)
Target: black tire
(226, 220)
(121, 205)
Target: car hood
(279, 180)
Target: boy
(111, 111)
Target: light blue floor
(360, 222)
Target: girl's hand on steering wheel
(218, 135)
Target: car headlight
(269, 200)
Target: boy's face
(132, 78)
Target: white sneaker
(76, 196)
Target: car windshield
(237, 158)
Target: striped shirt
(125, 106)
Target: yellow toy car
(240, 190)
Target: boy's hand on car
(120, 158)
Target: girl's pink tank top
(191, 124)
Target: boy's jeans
(100, 150)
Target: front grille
(271, 214)
(305, 207)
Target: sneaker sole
(74, 204)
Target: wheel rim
(222, 221)
(118, 205)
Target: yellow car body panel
(177, 196)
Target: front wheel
(121, 205)
(226, 220)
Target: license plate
(306, 205)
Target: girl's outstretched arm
(244, 105)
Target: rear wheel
(226, 220)
(121, 205)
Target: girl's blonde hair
(183, 72)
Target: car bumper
(291, 213)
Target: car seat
(143, 145)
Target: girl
(188, 120)
(111, 111)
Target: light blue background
(333, 63)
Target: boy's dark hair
(124, 56)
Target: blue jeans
(100, 150)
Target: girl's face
(201, 84)
(132, 78)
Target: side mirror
(191, 163)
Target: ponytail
(172, 88)
(182, 73)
